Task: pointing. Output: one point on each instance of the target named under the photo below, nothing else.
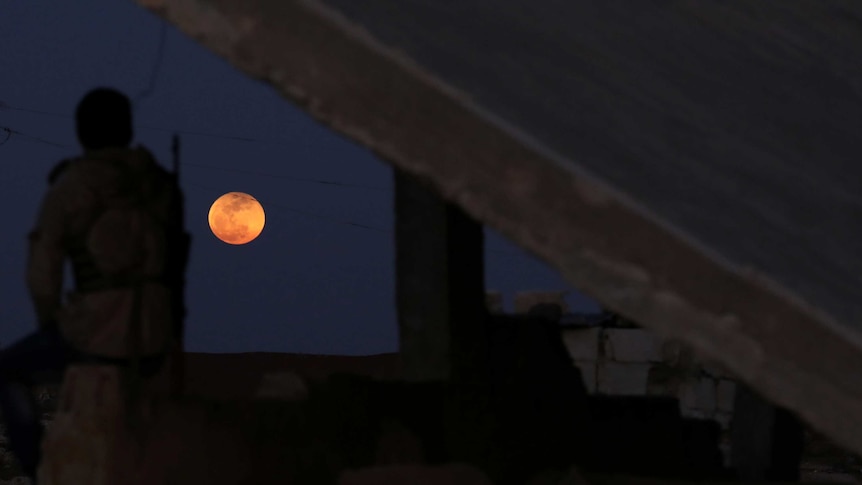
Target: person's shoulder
(60, 169)
(65, 188)
(71, 172)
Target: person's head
(104, 119)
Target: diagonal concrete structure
(692, 165)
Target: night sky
(319, 279)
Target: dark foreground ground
(822, 461)
(826, 462)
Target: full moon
(236, 218)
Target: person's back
(116, 208)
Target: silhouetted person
(115, 215)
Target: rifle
(179, 242)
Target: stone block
(677, 354)
(698, 394)
(582, 343)
(588, 374)
(631, 345)
(525, 300)
(622, 379)
(670, 351)
(724, 395)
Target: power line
(34, 111)
(30, 138)
(154, 128)
(331, 219)
(249, 172)
(336, 220)
(287, 177)
(215, 135)
(313, 215)
(331, 183)
(213, 167)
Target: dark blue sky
(310, 283)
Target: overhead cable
(287, 177)
(155, 128)
(29, 138)
(322, 217)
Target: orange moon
(236, 218)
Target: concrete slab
(618, 379)
(632, 345)
(699, 395)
